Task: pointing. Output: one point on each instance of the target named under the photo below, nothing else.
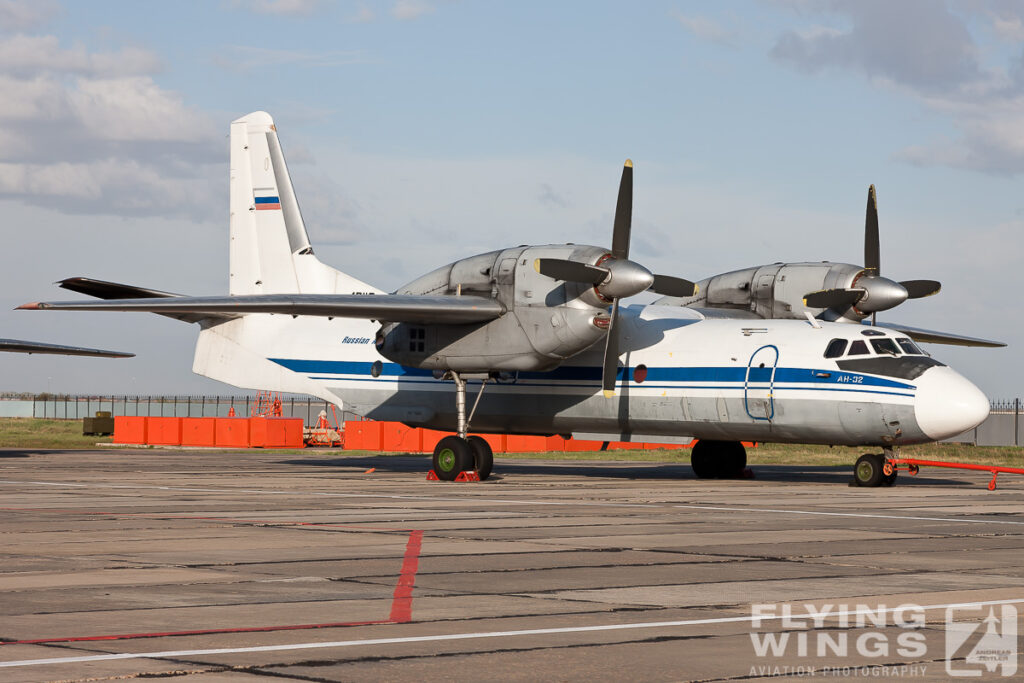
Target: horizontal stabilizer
(101, 289)
(18, 346)
(933, 337)
(110, 290)
(382, 307)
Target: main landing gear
(718, 459)
(875, 469)
(454, 454)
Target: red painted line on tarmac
(401, 603)
(401, 610)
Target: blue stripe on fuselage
(737, 375)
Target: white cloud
(362, 15)
(20, 15)
(92, 132)
(283, 7)
(244, 57)
(22, 55)
(704, 28)
(406, 10)
(923, 50)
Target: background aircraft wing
(933, 337)
(383, 307)
(18, 346)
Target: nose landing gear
(875, 469)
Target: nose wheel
(874, 469)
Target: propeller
(615, 277)
(870, 292)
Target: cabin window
(417, 337)
(858, 348)
(909, 347)
(885, 346)
(835, 348)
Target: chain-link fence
(67, 407)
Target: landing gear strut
(454, 454)
(875, 469)
(718, 459)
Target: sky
(423, 131)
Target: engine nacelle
(774, 291)
(546, 321)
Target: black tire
(718, 459)
(868, 470)
(451, 456)
(889, 479)
(702, 460)
(483, 456)
(733, 460)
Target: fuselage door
(759, 383)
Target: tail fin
(270, 251)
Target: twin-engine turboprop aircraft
(541, 329)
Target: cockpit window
(835, 348)
(858, 348)
(885, 346)
(909, 347)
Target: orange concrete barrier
(364, 435)
(163, 431)
(232, 432)
(395, 436)
(129, 429)
(199, 431)
(275, 432)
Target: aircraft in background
(19, 346)
(543, 330)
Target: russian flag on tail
(266, 200)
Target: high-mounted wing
(450, 310)
(18, 346)
(933, 337)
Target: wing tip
(32, 306)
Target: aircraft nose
(948, 404)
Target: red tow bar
(913, 466)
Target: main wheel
(483, 456)
(868, 470)
(702, 460)
(451, 456)
(733, 460)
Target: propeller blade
(833, 298)
(872, 257)
(570, 271)
(666, 285)
(611, 353)
(623, 213)
(921, 288)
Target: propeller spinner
(615, 277)
(870, 292)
